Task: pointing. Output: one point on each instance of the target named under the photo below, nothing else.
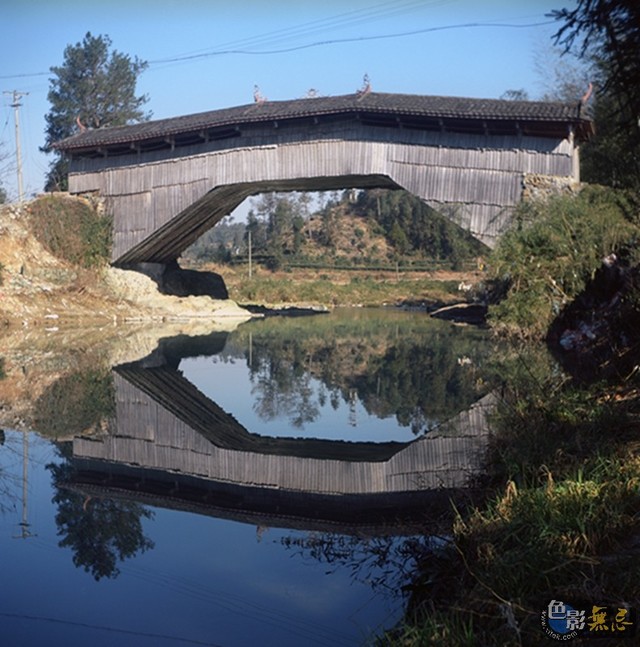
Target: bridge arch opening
(352, 228)
(169, 241)
(341, 226)
(158, 255)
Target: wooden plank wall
(480, 177)
(151, 436)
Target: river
(269, 485)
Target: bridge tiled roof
(370, 103)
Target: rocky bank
(39, 289)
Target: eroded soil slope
(38, 288)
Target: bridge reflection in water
(172, 447)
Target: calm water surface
(206, 495)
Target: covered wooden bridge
(168, 181)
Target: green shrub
(547, 259)
(72, 230)
(275, 262)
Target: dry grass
(342, 287)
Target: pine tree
(93, 88)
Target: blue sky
(477, 48)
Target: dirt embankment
(61, 322)
(38, 288)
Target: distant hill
(374, 227)
(348, 235)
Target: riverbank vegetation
(54, 268)
(73, 230)
(561, 519)
(554, 252)
(341, 287)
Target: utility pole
(24, 524)
(15, 105)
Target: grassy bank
(342, 287)
(552, 253)
(561, 517)
(561, 520)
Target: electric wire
(349, 18)
(86, 625)
(311, 631)
(157, 64)
(335, 41)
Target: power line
(335, 41)
(355, 18)
(23, 76)
(349, 18)
(321, 43)
(86, 625)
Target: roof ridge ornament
(366, 86)
(258, 97)
(584, 100)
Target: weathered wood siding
(163, 200)
(155, 436)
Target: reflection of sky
(228, 384)
(206, 582)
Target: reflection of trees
(75, 403)
(293, 402)
(388, 563)
(420, 383)
(282, 388)
(421, 570)
(410, 372)
(100, 532)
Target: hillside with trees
(373, 228)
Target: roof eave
(241, 116)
